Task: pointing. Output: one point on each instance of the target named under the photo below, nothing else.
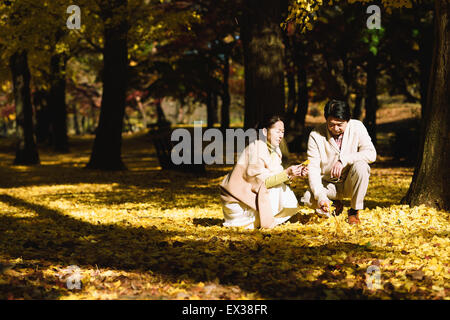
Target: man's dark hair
(337, 109)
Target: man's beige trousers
(353, 185)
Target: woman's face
(275, 133)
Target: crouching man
(339, 153)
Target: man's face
(336, 126)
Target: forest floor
(145, 233)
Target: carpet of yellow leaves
(150, 234)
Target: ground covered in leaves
(150, 234)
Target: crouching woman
(256, 192)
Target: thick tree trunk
(430, 181)
(26, 150)
(263, 59)
(371, 102)
(57, 103)
(425, 59)
(42, 129)
(290, 77)
(298, 143)
(225, 110)
(106, 153)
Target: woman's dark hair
(269, 121)
(337, 109)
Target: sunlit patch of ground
(151, 234)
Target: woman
(255, 193)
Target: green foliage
(372, 37)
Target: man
(339, 152)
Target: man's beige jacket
(323, 153)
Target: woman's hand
(294, 171)
(297, 171)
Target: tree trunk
(83, 124)
(263, 59)
(57, 103)
(357, 110)
(161, 118)
(211, 109)
(298, 143)
(429, 185)
(303, 99)
(225, 110)
(76, 126)
(42, 130)
(143, 114)
(106, 153)
(371, 102)
(4, 127)
(425, 59)
(290, 77)
(92, 121)
(26, 149)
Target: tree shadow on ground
(275, 267)
(207, 222)
(371, 204)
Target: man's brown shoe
(353, 219)
(353, 216)
(339, 207)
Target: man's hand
(325, 205)
(304, 171)
(337, 170)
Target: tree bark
(26, 149)
(106, 153)
(262, 40)
(76, 125)
(42, 129)
(303, 99)
(211, 108)
(225, 110)
(429, 185)
(357, 110)
(290, 78)
(425, 59)
(57, 103)
(161, 117)
(371, 102)
(142, 111)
